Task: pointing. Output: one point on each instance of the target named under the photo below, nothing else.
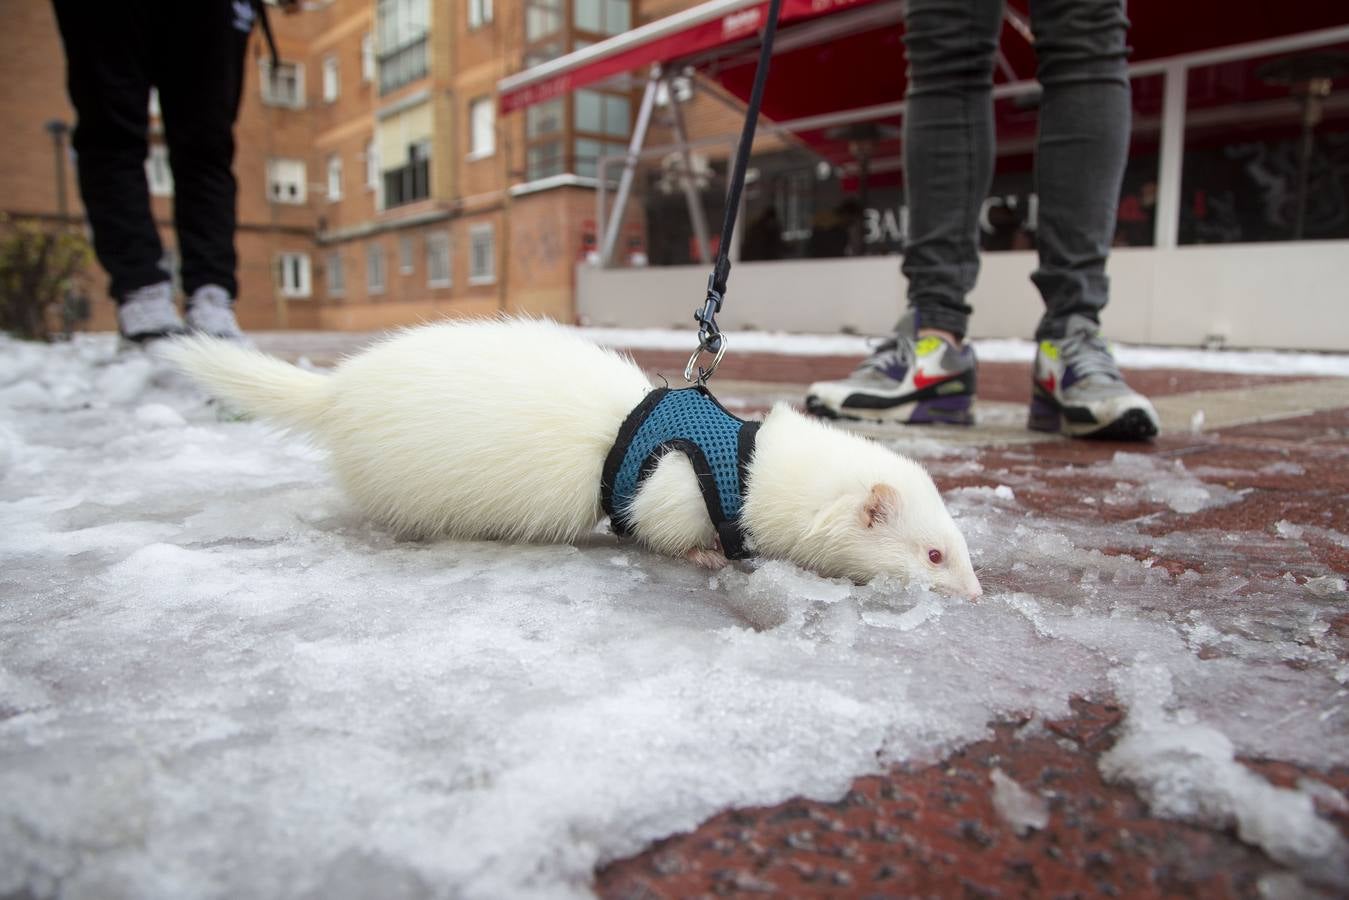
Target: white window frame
(274, 165)
(373, 175)
(368, 70)
(337, 287)
(302, 287)
(407, 263)
(376, 263)
(481, 135)
(476, 232)
(334, 178)
(158, 175)
(270, 96)
(438, 245)
(332, 80)
(479, 13)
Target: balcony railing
(402, 66)
(407, 184)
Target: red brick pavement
(931, 831)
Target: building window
(603, 113)
(283, 84)
(405, 263)
(374, 269)
(602, 16)
(337, 277)
(543, 119)
(482, 125)
(438, 259)
(157, 172)
(482, 254)
(410, 182)
(372, 165)
(367, 57)
(331, 85)
(402, 42)
(479, 13)
(588, 152)
(543, 160)
(286, 180)
(293, 275)
(334, 178)
(542, 18)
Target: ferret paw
(708, 558)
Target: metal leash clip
(710, 338)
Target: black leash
(710, 338)
(260, 12)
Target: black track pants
(193, 52)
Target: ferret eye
(934, 556)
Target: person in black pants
(194, 54)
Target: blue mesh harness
(692, 422)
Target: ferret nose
(977, 591)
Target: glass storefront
(1266, 158)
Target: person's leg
(108, 79)
(948, 152)
(1077, 388)
(1080, 153)
(922, 374)
(198, 68)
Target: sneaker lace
(887, 352)
(1089, 354)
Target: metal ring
(693, 361)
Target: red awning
(717, 24)
(856, 59)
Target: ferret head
(910, 535)
(845, 506)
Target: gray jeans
(1080, 151)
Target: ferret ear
(881, 505)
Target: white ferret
(500, 429)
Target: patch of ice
(1156, 479)
(1327, 586)
(1019, 808)
(1188, 770)
(159, 415)
(1286, 529)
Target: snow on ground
(216, 680)
(1250, 362)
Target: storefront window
(1267, 149)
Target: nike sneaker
(908, 379)
(1078, 390)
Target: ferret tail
(253, 382)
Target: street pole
(57, 129)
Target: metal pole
(57, 129)
(1166, 230)
(690, 189)
(615, 222)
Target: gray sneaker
(149, 313)
(210, 310)
(1078, 389)
(908, 379)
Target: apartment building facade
(378, 185)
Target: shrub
(38, 266)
